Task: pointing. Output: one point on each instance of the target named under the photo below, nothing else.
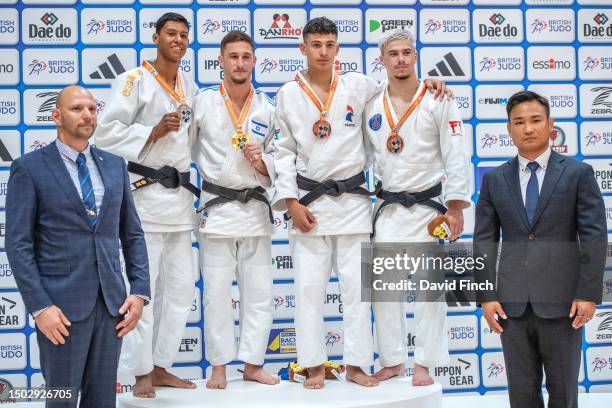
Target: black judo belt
(225, 195)
(167, 176)
(334, 188)
(408, 200)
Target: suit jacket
(559, 257)
(57, 257)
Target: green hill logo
(386, 25)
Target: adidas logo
(5, 155)
(443, 68)
(105, 71)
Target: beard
(238, 81)
(85, 132)
(401, 77)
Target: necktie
(89, 199)
(533, 192)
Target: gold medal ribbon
(415, 103)
(323, 108)
(179, 96)
(238, 122)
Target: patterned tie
(533, 192)
(89, 199)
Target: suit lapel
(104, 173)
(55, 163)
(511, 174)
(554, 170)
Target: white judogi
(234, 236)
(342, 222)
(433, 152)
(137, 104)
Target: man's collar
(68, 151)
(542, 160)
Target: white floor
(338, 394)
(393, 394)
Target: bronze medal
(321, 129)
(239, 140)
(395, 144)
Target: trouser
(430, 321)
(87, 361)
(156, 339)
(531, 342)
(431, 337)
(314, 258)
(249, 259)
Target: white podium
(394, 393)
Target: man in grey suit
(552, 217)
(68, 208)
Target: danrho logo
(280, 29)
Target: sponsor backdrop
(486, 49)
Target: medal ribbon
(313, 97)
(178, 97)
(238, 122)
(395, 128)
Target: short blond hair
(399, 34)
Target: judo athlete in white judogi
(417, 143)
(233, 129)
(320, 159)
(146, 122)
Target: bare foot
(144, 386)
(162, 378)
(217, 380)
(256, 373)
(389, 372)
(316, 378)
(357, 375)
(420, 376)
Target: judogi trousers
(430, 322)
(249, 259)
(157, 337)
(314, 257)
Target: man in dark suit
(68, 208)
(552, 217)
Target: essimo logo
(551, 63)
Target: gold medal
(395, 144)
(321, 129)
(239, 140)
